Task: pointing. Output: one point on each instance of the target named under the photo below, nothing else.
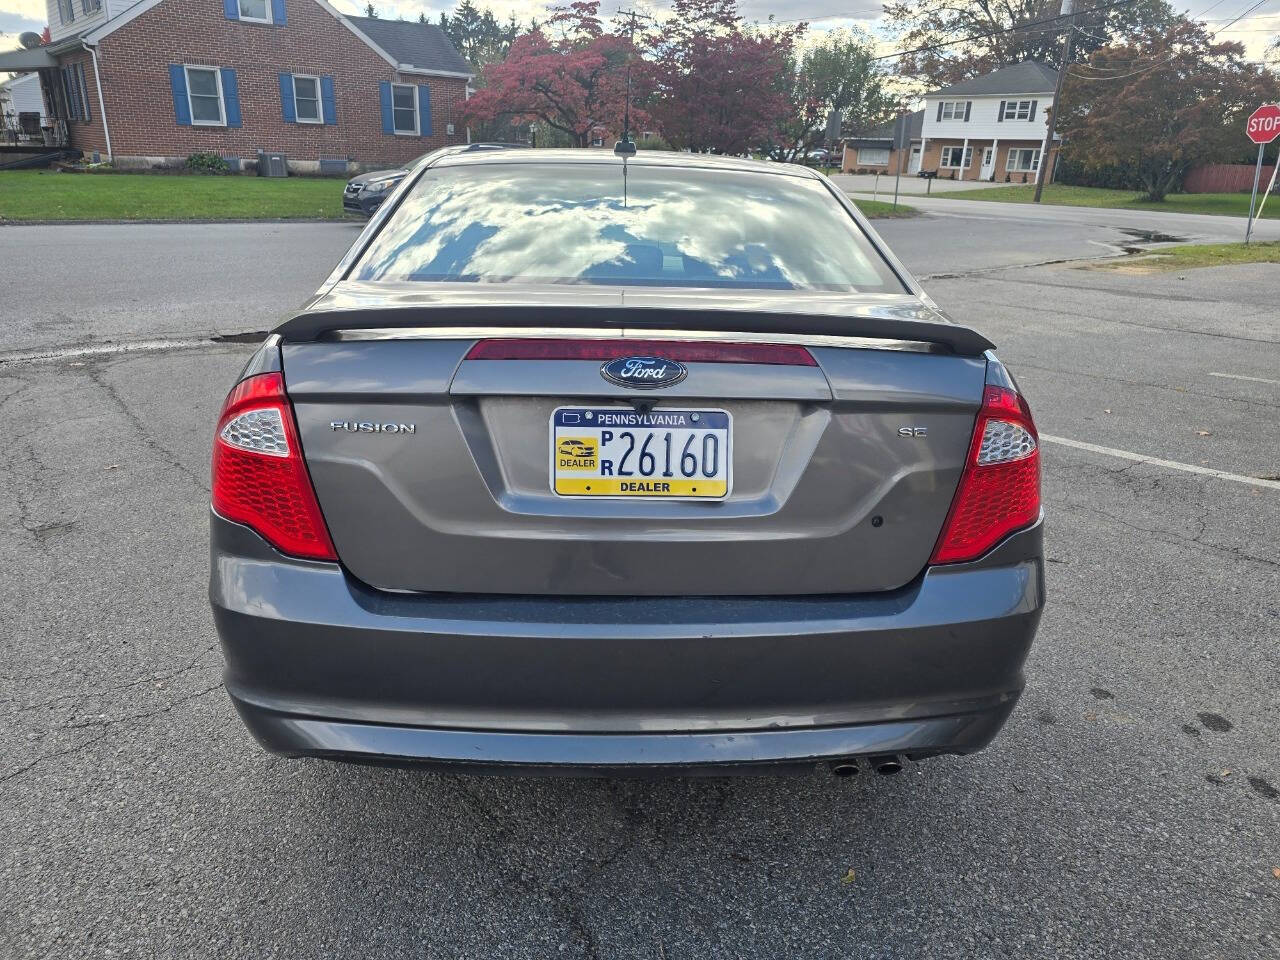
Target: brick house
(989, 128)
(150, 82)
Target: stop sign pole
(1262, 127)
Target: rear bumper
(318, 664)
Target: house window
(306, 99)
(204, 94)
(873, 156)
(404, 108)
(255, 11)
(954, 109)
(952, 158)
(1023, 160)
(90, 6)
(597, 141)
(1018, 109)
(67, 10)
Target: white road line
(1240, 376)
(1157, 462)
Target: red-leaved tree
(1172, 98)
(571, 77)
(717, 84)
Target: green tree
(836, 73)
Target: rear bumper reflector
(687, 351)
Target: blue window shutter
(231, 8)
(286, 98)
(178, 83)
(278, 13)
(388, 122)
(231, 96)
(424, 110)
(328, 103)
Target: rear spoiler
(885, 323)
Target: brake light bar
(687, 351)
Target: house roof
(1030, 76)
(884, 132)
(422, 46)
(17, 61)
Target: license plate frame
(681, 421)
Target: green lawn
(45, 195)
(1227, 204)
(874, 209)
(1191, 255)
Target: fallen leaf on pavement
(849, 877)
(1203, 433)
(1275, 872)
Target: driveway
(1129, 809)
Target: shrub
(207, 163)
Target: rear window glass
(655, 226)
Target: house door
(913, 165)
(988, 163)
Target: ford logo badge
(645, 373)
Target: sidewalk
(908, 184)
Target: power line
(1035, 26)
(1163, 60)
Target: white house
(21, 105)
(989, 128)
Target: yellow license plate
(658, 454)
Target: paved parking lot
(1131, 808)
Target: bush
(207, 163)
(1073, 172)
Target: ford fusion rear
(581, 463)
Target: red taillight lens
(259, 477)
(688, 351)
(999, 490)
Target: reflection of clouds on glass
(676, 227)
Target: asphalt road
(1131, 808)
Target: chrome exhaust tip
(887, 765)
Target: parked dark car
(365, 192)
(804, 527)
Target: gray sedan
(581, 462)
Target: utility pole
(1051, 126)
(899, 135)
(633, 16)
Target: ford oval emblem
(645, 373)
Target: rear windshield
(653, 226)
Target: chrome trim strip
(624, 333)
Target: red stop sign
(1264, 123)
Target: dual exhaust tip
(885, 764)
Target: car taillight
(259, 477)
(999, 491)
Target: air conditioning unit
(272, 165)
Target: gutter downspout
(102, 106)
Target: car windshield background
(685, 227)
